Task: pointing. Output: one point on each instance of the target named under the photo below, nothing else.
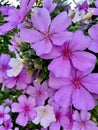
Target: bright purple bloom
(93, 32)
(49, 5)
(16, 16)
(61, 118)
(21, 81)
(4, 60)
(75, 90)
(25, 108)
(83, 6)
(4, 116)
(39, 92)
(82, 121)
(5, 9)
(72, 54)
(46, 33)
(7, 125)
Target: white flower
(17, 66)
(45, 116)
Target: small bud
(88, 15)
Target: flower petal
(41, 19)
(90, 82)
(82, 99)
(60, 67)
(42, 47)
(60, 22)
(79, 41)
(84, 61)
(63, 96)
(94, 46)
(30, 35)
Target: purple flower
(25, 108)
(61, 118)
(7, 125)
(71, 55)
(82, 121)
(49, 5)
(4, 116)
(75, 89)
(4, 60)
(21, 81)
(46, 33)
(39, 92)
(93, 32)
(16, 16)
(5, 9)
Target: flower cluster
(48, 79)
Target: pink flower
(72, 54)
(61, 118)
(75, 90)
(4, 60)
(94, 35)
(16, 16)
(49, 5)
(4, 116)
(39, 92)
(7, 125)
(82, 121)
(46, 33)
(21, 81)
(25, 108)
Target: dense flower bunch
(48, 78)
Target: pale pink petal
(55, 126)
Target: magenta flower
(75, 89)
(4, 116)
(21, 81)
(25, 108)
(46, 33)
(49, 5)
(71, 55)
(61, 118)
(93, 32)
(82, 121)
(16, 16)
(4, 60)
(7, 125)
(39, 92)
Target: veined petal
(30, 35)
(90, 82)
(79, 41)
(60, 22)
(63, 96)
(41, 19)
(82, 99)
(60, 67)
(42, 47)
(84, 61)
